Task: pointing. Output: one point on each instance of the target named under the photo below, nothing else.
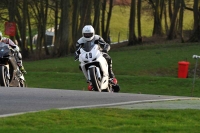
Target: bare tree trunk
(105, 28)
(132, 36)
(56, 18)
(23, 29)
(45, 14)
(170, 9)
(196, 14)
(30, 32)
(180, 26)
(97, 9)
(165, 20)
(65, 29)
(55, 49)
(103, 17)
(195, 36)
(158, 11)
(40, 10)
(173, 32)
(107, 31)
(85, 19)
(75, 23)
(139, 5)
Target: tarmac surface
(15, 100)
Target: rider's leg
(110, 71)
(109, 61)
(90, 88)
(116, 87)
(18, 57)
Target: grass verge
(103, 120)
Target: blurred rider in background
(18, 55)
(89, 35)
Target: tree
(173, 29)
(85, 14)
(75, 20)
(97, 12)
(170, 9)
(180, 24)
(158, 8)
(196, 30)
(139, 6)
(132, 36)
(40, 12)
(17, 10)
(64, 36)
(23, 28)
(105, 25)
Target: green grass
(103, 120)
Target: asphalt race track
(15, 100)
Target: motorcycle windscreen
(88, 46)
(2, 44)
(4, 50)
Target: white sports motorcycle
(95, 67)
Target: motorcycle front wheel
(95, 82)
(4, 79)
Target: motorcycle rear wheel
(95, 82)
(4, 80)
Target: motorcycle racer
(89, 35)
(18, 55)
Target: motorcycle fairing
(90, 56)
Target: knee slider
(19, 55)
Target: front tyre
(95, 82)
(4, 79)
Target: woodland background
(69, 16)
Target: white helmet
(88, 32)
(1, 35)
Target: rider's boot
(90, 88)
(113, 80)
(112, 77)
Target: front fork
(8, 74)
(98, 74)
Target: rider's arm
(105, 46)
(78, 47)
(79, 44)
(9, 41)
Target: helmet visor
(87, 35)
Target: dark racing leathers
(104, 47)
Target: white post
(195, 57)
